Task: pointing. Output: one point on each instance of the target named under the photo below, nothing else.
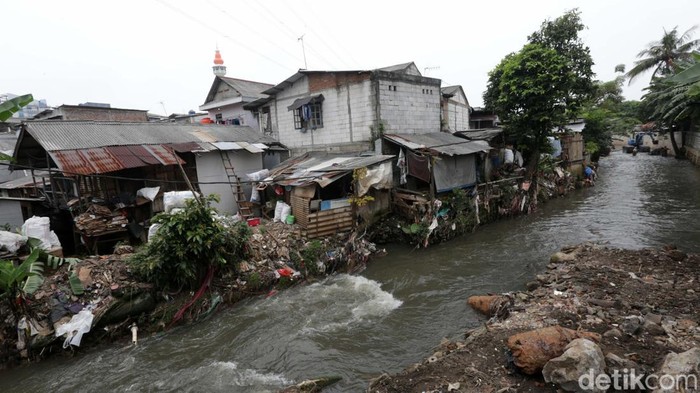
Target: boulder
(680, 364)
(653, 328)
(491, 305)
(614, 362)
(631, 324)
(581, 357)
(559, 257)
(532, 350)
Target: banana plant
(15, 281)
(55, 262)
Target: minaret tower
(219, 67)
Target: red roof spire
(217, 58)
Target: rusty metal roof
(101, 160)
(87, 147)
(75, 135)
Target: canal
(397, 310)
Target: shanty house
(429, 164)
(328, 193)
(455, 109)
(109, 162)
(93, 111)
(344, 111)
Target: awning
(299, 102)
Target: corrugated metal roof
(438, 143)
(322, 168)
(125, 156)
(482, 134)
(164, 154)
(101, 160)
(227, 145)
(143, 154)
(74, 135)
(71, 162)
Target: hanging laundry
(403, 167)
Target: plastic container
(253, 222)
(291, 219)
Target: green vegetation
(672, 100)
(542, 86)
(188, 244)
(312, 255)
(608, 114)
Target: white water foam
(249, 377)
(346, 300)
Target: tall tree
(664, 55)
(542, 86)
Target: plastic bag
(175, 199)
(259, 175)
(149, 193)
(152, 230)
(286, 211)
(11, 241)
(278, 211)
(74, 329)
(38, 228)
(255, 195)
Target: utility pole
(303, 50)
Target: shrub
(188, 244)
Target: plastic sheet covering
(379, 177)
(556, 146)
(149, 193)
(74, 329)
(454, 172)
(176, 199)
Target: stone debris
(635, 306)
(581, 357)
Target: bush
(187, 245)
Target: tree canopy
(665, 55)
(543, 85)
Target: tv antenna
(426, 69)
(163, 105)
(303, 51)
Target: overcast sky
(157, 54)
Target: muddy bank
(277, 257)
(637, 307)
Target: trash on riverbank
(626, 301)
(277, 257)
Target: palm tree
(662, 56)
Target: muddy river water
(395, 312)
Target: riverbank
(277, 257)
(636, 306)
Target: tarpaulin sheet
(454, 172)
(418, 166)
(380, 177)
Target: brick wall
(104, 114)
(327, 80)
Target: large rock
(680, 365)
(581, 357)
(559, 257)
(490, 305)
(532, 350)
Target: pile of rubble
(601, 313)
(99, 219)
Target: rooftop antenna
(163, 105)
(303, 50)
(426, 69)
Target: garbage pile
(99, 219)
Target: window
(308, 116)
(219, 118)
(266, 120)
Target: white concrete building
(455, 109)
(226, 97)
(346, 111)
